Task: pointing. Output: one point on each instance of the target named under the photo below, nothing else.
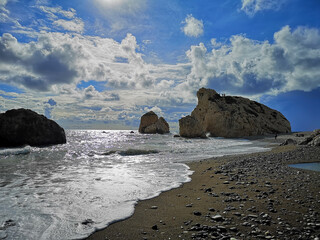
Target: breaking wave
(15, 151)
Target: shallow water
(307, 166)
(69, 191)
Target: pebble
(263, 199)
(217, 217)
(196, 213)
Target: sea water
(69, 191)
(307, 166)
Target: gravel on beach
(252, 196)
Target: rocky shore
(252, 196)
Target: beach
(250, 196)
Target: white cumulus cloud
(192, 26)
(249, 67)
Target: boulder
(313, 139)
(20, 127)
(150, 123)
(289, 141)
(190, 127)
(232, 116)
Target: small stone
(155, 227)
(246, 224)
(234, 229)
(217, 217)
(189, 205)
(154, 207)
(196, 213)
(222, 229)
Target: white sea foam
(69, 191)
(15, 151)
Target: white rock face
(190, 127)
(232, 117)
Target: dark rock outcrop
(20, 127)
(190, 127)
(150, 123)
(231, 116)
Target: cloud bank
(249, 67)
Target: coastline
(241, 196)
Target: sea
(70, 191)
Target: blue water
(307, 166)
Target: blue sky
(104, 63)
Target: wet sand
(252, 196)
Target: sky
(102, 64)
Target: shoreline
(242, 196)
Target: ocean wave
(133, 152)
(109, 152)
(15, 151)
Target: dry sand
(252, 196)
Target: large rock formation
(20, 127)
(228, 116)
(190, 127)
(150, 123)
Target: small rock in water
(87, 221)
(8, 223)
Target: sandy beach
(252, 196)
